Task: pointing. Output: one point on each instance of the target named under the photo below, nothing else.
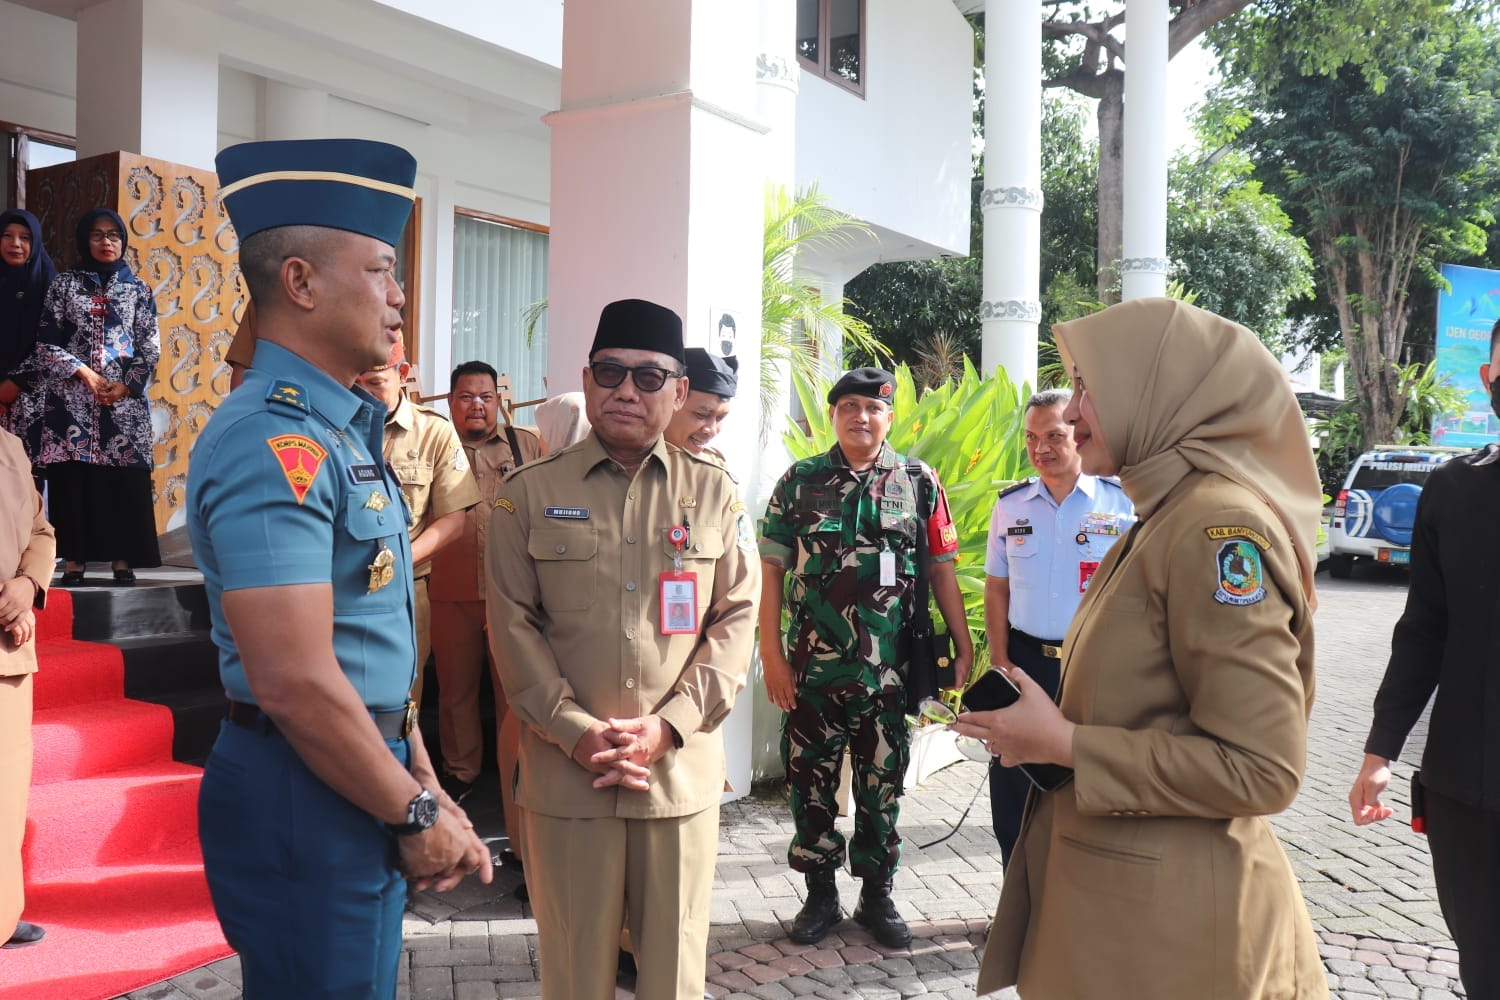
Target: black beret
(873, 382)
(638, 325)
(711, 373)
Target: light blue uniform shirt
(1049, 550)
(287, 485)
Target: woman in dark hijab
(25, 273)
(97, 345)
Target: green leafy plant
(795, 315)
(967, 429)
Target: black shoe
(510, 859)
(72, 578)
(26, 933)
(457, 788)
(522, 893)
(626, 971)
(125, 577)
(820, 911)
(876, 912)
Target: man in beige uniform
(423, 449)
(456, 586)
(622, 766)
(27, 550)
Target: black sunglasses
(648, 378)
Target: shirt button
(630, 585)
(630, 539)
(630, 496)
(629, 682)
(630, 633)
(563, 548)
(697, 546)
(380, 519)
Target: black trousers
(1465, 843)
(1009, 785)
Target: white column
(1011, 201)
(1143, 258)
(657, 193)
(292, 112)
(148, 80)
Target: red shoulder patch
(300, 458)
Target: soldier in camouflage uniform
(845, 525)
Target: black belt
(393, 725)
(1050, 648)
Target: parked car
(1374, 513)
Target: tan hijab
(1178, 388)
(561, 420)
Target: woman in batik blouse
(97, 346)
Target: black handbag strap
(921, 621)
(515, 446)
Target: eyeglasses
(110, 237)
(648, 378)
(945, 712)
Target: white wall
(38, 75)
(900, 157)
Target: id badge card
(679, 603)
(1085, 574)
(887, 568)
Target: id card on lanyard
(678, 610)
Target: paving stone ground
(1369, 890)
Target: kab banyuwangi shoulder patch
(1227, 531)
(1242, 576)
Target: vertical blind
(498, 272)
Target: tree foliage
(1389, 171)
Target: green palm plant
(793, 309)
(968, 429)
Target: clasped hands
(106, 392)
(441, 857)
(1033, 730)
(621, 751)
(17, 599)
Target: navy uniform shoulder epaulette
(288, 395)
(1112, 481)
(1013, 487)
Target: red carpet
(113, 868)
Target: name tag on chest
(567, 513)
(360, 475)
(1022, 530)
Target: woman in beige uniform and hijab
(1187, 678)
(27, 553)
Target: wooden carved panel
(183, 246)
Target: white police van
(1374, 513)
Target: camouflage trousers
(814, 736)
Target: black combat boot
(876, 912)
(821, 910)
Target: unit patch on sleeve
(505, 505)
(300, 458)
(1227, 531)
(1241, 575)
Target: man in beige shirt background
(456, 588)
(424, 451)
(621, 764)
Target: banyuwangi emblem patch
(300, 458)
(1241, 574)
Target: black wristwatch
(421, 814)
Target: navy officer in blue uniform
(318, 801)
(1047, 536)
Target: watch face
(423, 811)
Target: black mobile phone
(1418, 803)
(995, 690)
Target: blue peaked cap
(353, 184)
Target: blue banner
(1465, 316)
